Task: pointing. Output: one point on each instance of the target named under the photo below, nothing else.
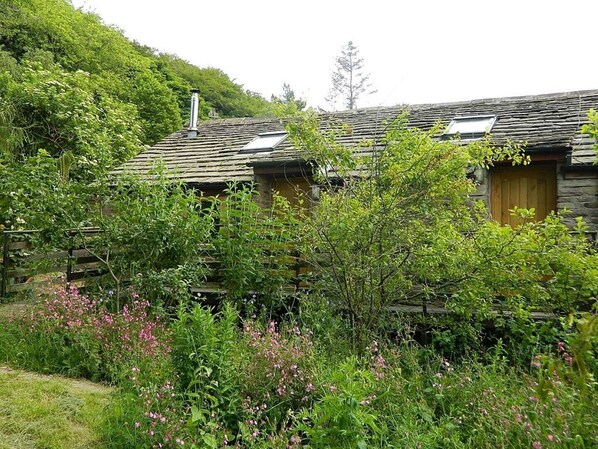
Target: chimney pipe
(193, 114)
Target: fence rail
(26, 268)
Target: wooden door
(295, 189)
(532, 186)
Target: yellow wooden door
(532, 186)
(295, 189)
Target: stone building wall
(577, 192)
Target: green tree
(398, 226)
(67, 112)
(154, 236)
(288, 97)
(349, 82)
(219, 92)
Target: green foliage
(277, 364)
(79, 92)
(75, 335)
(67, 112)
(575, 362)
(537, 265)
(398, 225)
(79, 41)
(35, 195)
(154, 235)
(156, 104)
(254, 246)
(228, 98)
(592, 127)
(344, 416)
(288, 98)
(270, 385)
(203, 354)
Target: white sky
(417, 51)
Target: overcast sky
(417, 51)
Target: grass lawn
(49, 412)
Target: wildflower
(332, 388)
(537, 445)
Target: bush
(203, 359)
(155, 230)
(254, 246)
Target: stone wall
(264, 188)
(577, 192)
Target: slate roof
(544, 122)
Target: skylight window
(473, 127)
(264, 142)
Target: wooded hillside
(82, 91)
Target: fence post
(4, 263)
(69, 262)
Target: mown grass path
(49, 412)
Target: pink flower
(537, 445)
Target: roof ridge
(486, 100)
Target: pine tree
(348, 80)
(288, 97)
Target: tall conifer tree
(349, 81)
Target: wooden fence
(27, 268)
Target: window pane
(265, 141)
(471, 125)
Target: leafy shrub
(406, 230)
(155, 230)
(203, 354)
(344, 414)
(253, 246)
